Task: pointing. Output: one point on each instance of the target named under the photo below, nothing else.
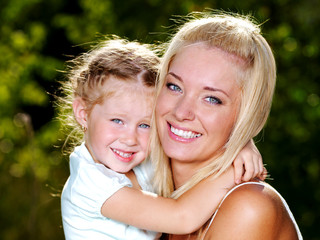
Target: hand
(248, 164)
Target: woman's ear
(80, 112)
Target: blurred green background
(37, 37)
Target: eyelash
(142, 125)
(116, 120)
(145, 126)
(173, 87)
(214, 100)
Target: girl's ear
(80, 112)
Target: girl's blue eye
(143, 125)
(213, 100)
(173, 87)
(116, 120)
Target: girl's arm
(177, 216)
(248, 164)
(187, 213)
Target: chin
(181, 157)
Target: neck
(182, 172)
(133, 179)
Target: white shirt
(90, 184)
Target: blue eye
(173, 87)
(213, 100)
(143, 125)
(116, 120)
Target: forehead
(204, 64)
(125, 99)
(202, 51)
(115, 86)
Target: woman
(215, 90)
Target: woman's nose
(184, 109)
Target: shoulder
(254, 196)
(249, 211)
(253, 201)
(94, 182)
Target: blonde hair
(128, 61)
(239, 36)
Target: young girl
(107, 195)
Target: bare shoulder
(254, 199)
(254, 203)
(252, 211)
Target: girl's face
(118, 129)
(197, 107)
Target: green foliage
(39, 36)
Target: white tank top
(261, 184)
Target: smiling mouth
(184, 134)
(122, 154)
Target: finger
(256, 166)
(258, 163)
(249, 170)
(238, 170)
(261, 168)
(264, 174)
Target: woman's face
(198, 104)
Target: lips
(183, 135)
(123, 156)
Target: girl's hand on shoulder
(248, 164)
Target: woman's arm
(252, 212)
(180, 216)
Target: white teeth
(184, 134)
(122, 154)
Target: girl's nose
(129, 137)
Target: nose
(185, 109)
(129, 137)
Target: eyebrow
(175, 76)
(205, 88)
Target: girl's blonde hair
(128, 61)
(239, 36)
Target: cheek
(106, 133)
(160, 104)
(220, 123)
(228, 125)
(144, 140)
(165, 104)
(164, 98)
